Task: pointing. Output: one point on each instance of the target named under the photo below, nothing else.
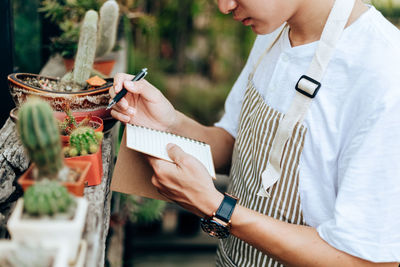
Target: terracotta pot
(104, 66)
(95, 172)
(95, 121)
(76, 188)
(84, 102)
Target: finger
(155, 182)
(128, 112)
(112, 92)
(142, 87)
(123, 104)
(176, 153)
(119, 78)
(120, 116)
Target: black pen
(123, 92)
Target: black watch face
(214, 229)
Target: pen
(123, 92)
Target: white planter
(59, 254)
(49, 232)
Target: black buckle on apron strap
(316, 83)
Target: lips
(246, 21)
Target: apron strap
(251, 75)
(306, 89)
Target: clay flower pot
(95, 172)
(55, 254)
(50, 231)
(75, 188)
(92, 101)
(104, 66)
(95, 122)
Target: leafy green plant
(67, 14)
(141, 210)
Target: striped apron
(260, 127)
(257, 129)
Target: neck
(307, 24)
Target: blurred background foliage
(193, 52)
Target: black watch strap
(226, 208)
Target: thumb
(175, 153)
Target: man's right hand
(143, 105)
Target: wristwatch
(219, 224)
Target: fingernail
(169, 146)
(131, 110)
(129, 84)
(126, 118)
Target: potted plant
(73, 87)
(70, 122)
(85, 145)
(15, 254)
(67, 15)
(49, 215)
(38, 131)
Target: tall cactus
(109, 13)
(38, 131)
(47, 198)
(86, 48)
(94, 42)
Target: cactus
(93, 42)
(83, 141)
(38, 131)
(86, 48)
(47, 198)
(107, 27)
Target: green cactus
(38, 131)
(47, 198)
(93, 42)
(86, 48)
(83, 141)
(109, 13)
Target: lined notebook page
(154, 143)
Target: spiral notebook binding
(164, 132)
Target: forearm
(291, 244)
(220, 141)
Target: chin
(260, 30)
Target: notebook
(154, 143)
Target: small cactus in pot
(48, 198)
(38, 131)
(83, 141)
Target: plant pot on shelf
(95, 122)
(85, 102)
(95, 172)
(76, 188)
(49, 231)
(105, 66)
(53, 256)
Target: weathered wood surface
(13, 162)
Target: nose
(227, 6)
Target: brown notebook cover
(132, 174)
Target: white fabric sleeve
(233, 104)
(366, 219)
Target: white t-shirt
(350, 166)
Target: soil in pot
(51, 85)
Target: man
(318, 188)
